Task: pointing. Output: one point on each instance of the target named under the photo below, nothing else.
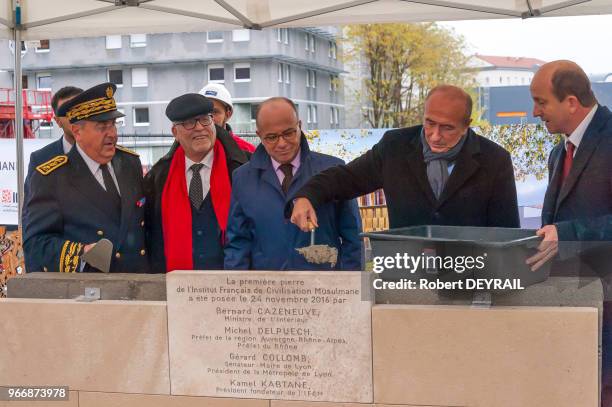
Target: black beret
(188, 106)
(94, 104)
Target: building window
(141, 116)
(241, 35)
(487, 80)
(216, 73)
(242, 72)
(331, 115)
(314, 114)
(311, 78)
(43, 81)
(333, 83)
(280, 73)
(43, 47)
(24, 81)
(115, 76)
(307, 41)
(138, 40)
(254, 108)
(121, 120)
(287, 73)
(333, 50)
(312, 43)
(337, 116)
(140, 77)
(500, 79)
(309, 114)
(214, 36)
(113, 41)
(282, 35)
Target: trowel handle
(312, 233)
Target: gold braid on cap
(91, 108)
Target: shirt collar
(207, 161)
(295, 162)
(93, 165)
(66, 145)
(578, 133)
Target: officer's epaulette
(53, 164)
(126, 150)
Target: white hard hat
(219, 92)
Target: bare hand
(304, 215)
(88, 247)
(548, 248)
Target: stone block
(112, 346)
(502, 356)
(270, 335)
(113, 286)
(94, 399)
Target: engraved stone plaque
(270, 335)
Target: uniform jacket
(480, 190)
(259, 236)
(36, 158)
(154, 185)
(581, 208)
(68, 208)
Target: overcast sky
(586, 40)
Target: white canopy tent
(46, 19)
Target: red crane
(36, 108)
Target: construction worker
(223, 110)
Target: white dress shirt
(205, 172)
(578, 133)
(94, 167)
(66, 145)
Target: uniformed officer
(95, 191)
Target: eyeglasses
(105, 126)
(287, 135)
(191, 123)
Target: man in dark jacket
(64, 143)
(259, 236)
(577, 212)
(188, 190)
(440, 173)
(93, 192)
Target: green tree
(529, 145)
(404, 62)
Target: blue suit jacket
(38, 157)
(581, 208)
(259, 236)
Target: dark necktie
(568, 161)
(195, 186)
(287, 169)
(109, 185)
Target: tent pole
(18, 108)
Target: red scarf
(176, 207)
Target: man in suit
(64, 143)
(259, 237)
(577, 212)
(438, 173)
(58, 147)
(188, 190)
(93, 192)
